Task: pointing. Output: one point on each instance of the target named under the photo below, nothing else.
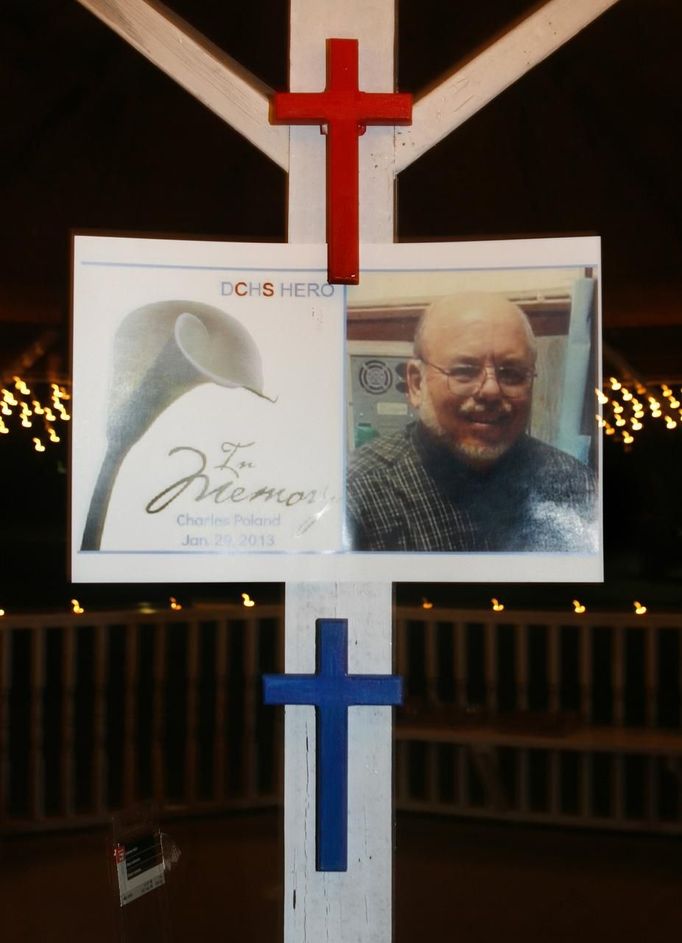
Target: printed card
(236, 417)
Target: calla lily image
(161, 351)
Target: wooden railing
(541, 717)
(100, 711)
(527, 716)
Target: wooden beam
(220, 83)
(467, 90)
(351, 907)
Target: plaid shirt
(405, 492)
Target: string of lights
(628, 406)
(40, 408)
(496, 605)
(78, 610)
(578, 608)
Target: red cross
(345, 111)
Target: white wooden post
(355, 905)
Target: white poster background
(290, 454)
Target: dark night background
(93, 136)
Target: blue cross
(332, 690)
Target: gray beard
(476, 456)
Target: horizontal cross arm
(322, 690)
(291, 689)
(207, 73)
(322, 107)
(467, 90)
(375, 690)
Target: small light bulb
(247, 601)
(497, 605)
(174, 604)
(76, 607)
(639, 608)
(426, 603)
(578, 606)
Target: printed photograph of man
(465, 475)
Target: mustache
(471, 408)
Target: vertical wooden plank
(431, 663)
(460, 667)
(100, 770)
(553, 666)
(650, 673)
(36, 758)
(5, 661)
(129, 779)
(464, 793)
(618, 662)
(585, 662)
(220, 730)
(192, 681)
(401, 649)
(354, 905)
(432, 773)
(521, 666)
(678, 632)
(490, 666)
(250, 673)
(278, 758)
(158, 714)
(67, 758)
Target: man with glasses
(467, 476)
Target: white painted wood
(470, 88)
(355, 906)
(220, 83)
(372, 23)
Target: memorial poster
(236, 417)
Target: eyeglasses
(467, 378)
